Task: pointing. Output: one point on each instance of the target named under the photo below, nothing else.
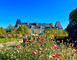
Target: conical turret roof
(58, 25)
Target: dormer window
(32, 27)
(41, 27)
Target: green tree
(23, 29)
(2, 31)
(10, 28)
(72, 20)
(52, 31)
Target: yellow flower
(12, 55)
(48, 49)
(2, 52)
(7, 55)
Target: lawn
(8, 40)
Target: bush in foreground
(39, 48)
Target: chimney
(27, 23)
(36, 23)
(52, 24)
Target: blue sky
(48, 11)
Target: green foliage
(10, 28)
(8, 40)
(52, 31)
(38, 49)
(23, 30)
(73, 17)
(72, 20)
(2, 31)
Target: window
(32, 31)
(58, 27)
(41, 31)
(32, 27)
(42, 27)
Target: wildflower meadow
(38, 48)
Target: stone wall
(38, 31)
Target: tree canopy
(72, 20)
(2, 30)
(23, 29)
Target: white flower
(50, 56)
(16, 59)
(51, 47)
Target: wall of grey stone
(38, 31)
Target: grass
(8, 40)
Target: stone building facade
(38, 27)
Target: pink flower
(69, 46)
(62, 41)
(37, 37)
(59, 54)
(40, 41)
(8, 34)
(29, 43)
(17, 51)
(54, 50)
(73, 55)
(52, 41)
(57, 59)
(41, 36)
(57, 37)
(19, 47)
(34, 41)
(25, 43)
(74, 50)
(17, 40)
(26, 40)
(55, 46)
(3, 28)
(11, 35)
(54, 56)
(52, 35)
(55, 33)
(40, 49)
(25, 50)
(16, 45)
(34, 53)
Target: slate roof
(43, 25)
(40, 25)
(33, 25)
(58, 25)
